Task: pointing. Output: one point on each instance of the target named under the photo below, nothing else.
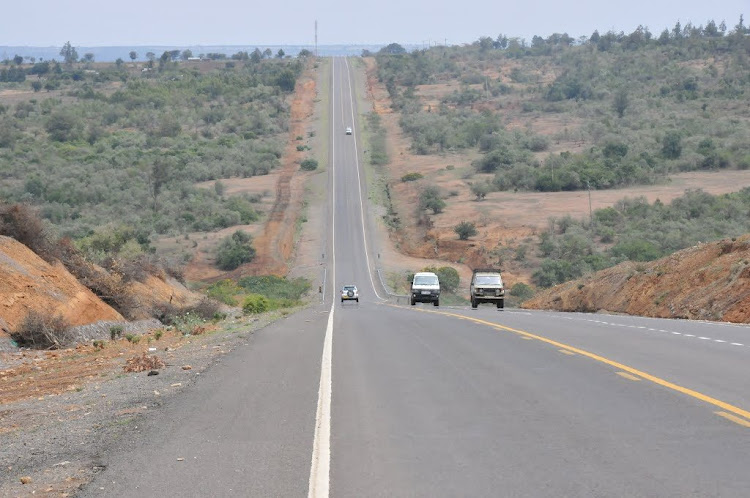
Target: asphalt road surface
(377, 399)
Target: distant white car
(348, 131)
(349, 293)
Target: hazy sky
(280, 22)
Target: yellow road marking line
(634, 371)
(736, 420)
(565, 351)
(527, 338)
(628, 376)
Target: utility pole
(591, 213)
(316, 37)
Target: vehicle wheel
(413, 302)
(500, 304)
(437, 303)
(357, 299)
(474, 304)
(342, 300)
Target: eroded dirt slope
(710, 281)
(27, 282)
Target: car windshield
(349, 287)
(425, 280)
(488, 280)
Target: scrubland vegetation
(109, 147)
(634, 107)
(97, 160)
(605, 111)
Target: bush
(206, 308)
(224, 291)
(63, 127)
(309, 165)
(275, 287)
(255, 304)
(40, 330)
(115, 332)
(430, 198)
(21, 222)
(465, 229)
(521, 291)
(235, 250)
(448, 276)
(410, 177)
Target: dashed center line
(650, 329)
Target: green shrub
(115, 331)
(449, 278)
(430, 198)
(465, 229)
(225, 291)
(276, 288)
(521, 291)
(235, 250)
(410, 177)
(309, 164)
(255, 304)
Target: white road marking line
(359, 186)
(613, 324)
(320, 468)
(320, 465)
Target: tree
(88, 57)
(486, 43)
(150, 56)
(480, 190)
(18, 60)
(119, 62)
(186, 54)
(304, 53)
(430, 199)
(280, 54)
(465, 229)
(286, 80)
(69, 54)
(63, 126)
(267, 53)
(672, 145)
(621, 102)
(256, 55)
(133, 55)
(393, 49)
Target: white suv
(425, 288)
(349, 293)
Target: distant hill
(111, 54)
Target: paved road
(377, 399)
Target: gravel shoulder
(61, 410)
